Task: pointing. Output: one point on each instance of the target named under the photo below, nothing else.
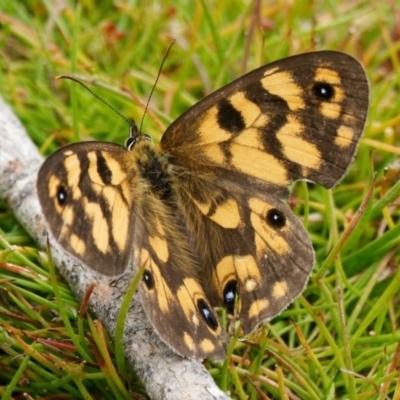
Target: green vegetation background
(340, 340)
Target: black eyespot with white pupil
(61, 195)
(148, 280)
(323, 91)
(229, 296)
(207, 314)
(276, 218)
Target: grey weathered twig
(165, 375)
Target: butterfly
(203, 212)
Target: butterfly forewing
(297, 118)
(85, 191)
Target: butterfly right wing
(240, 148)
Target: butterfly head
(135, 136)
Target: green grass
(340, 340)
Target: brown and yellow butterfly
(203, 211)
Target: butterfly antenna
(155, 83)
(133, 130)
(95, 95)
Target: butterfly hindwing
(172, 293)
(249, 244)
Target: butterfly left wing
(101, 206)
(85, 190)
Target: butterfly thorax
(154, 169)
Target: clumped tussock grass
(340, 340)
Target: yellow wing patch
(247, 271)
(161, 290)
(252, 111)
(279, 290)
(345, 136)
(260, 166)
(295, 147)
(209, 129)
(282, 84)
(264, 233)
(227, 215)
(78, 244)
(72, 165)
